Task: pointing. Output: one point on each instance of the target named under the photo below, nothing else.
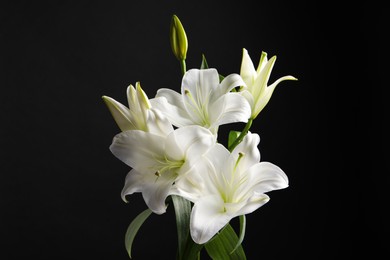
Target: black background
(60, 185)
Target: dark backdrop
(60, 185)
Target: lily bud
(178, 39)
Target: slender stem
(242, 135)
(183, 66)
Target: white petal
(200, 83)
(228, 83)
(261, 81)
(132, 98)
(266, 177)
(191, 185)
(217, 169)
(172, 97)
(249, 98)
(175, 113)
(198, 138)
(230, 108)
(249, 148)
(263, 101)
(143, 100)
(217, 156)
(138, 149)
(247, 72)
(133, 183)
(158, 124)
(263, 61)
(197, 88)
(120, 113)
(208, 216)
(253, 203)
(156, 189)
(204, 172)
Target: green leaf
(242, 232)
(133, 229)
(204, 64)
(182, 212)
(187, 248)
(192, 251)
(222, 246)
(233, 135)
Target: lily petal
(247, 72)
(266, 177)
(263, 101)
(200, 181)
(253, 203)
(195, 137)
(200, 83)
(262, 62)
(154, 189)
(120, 113)
(230, 108)
(132, 184)
(208, 216)
(172, 97)
(138, 149)
(228, 83)
(261, 81)
(249, 151)
(158, 123)
(175, 111)
(197, 88)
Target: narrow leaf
(182, 212)
(223, 244)
(133, 229)
(242, 232)
(233, 135)
(204, 64)
(192, 251)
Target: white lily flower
(140, 115)
(257, 92)
(204, 100)
(159, 161)
(227, 185)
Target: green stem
(183, 66)
(242, 135)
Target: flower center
(230, 187)
(198, 108)
(167, 165)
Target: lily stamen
(240, 155)
(198, 110)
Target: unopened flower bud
(178, 39)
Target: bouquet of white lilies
(171, 144)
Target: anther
(240, 155)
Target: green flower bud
(178, 39)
